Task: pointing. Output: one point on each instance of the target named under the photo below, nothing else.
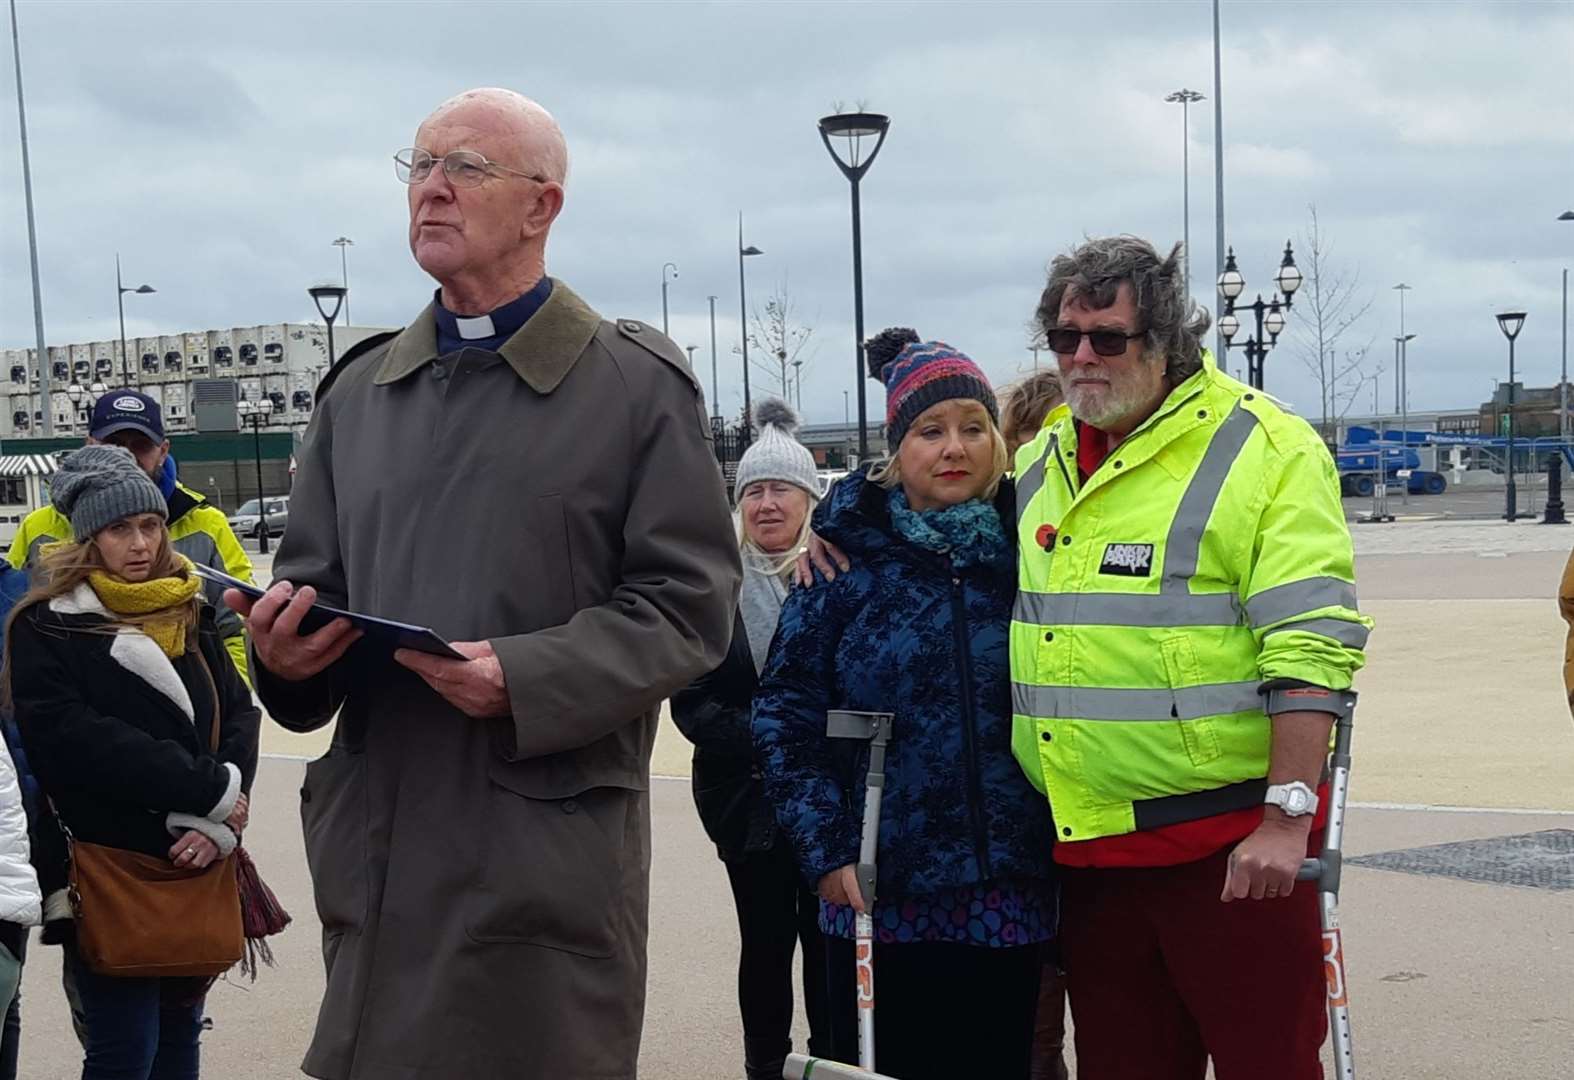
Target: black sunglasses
(1065, 340)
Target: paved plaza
(1460, 959)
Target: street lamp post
(855, 127)
(664, 268)
(1184, 97)
(256, 413)
(1563, 384)
(743, 329)
(1269, 313)
(120, 302)
(1401, 383)
(1511, 322)
(320, 295)
(344, 243)
(1401, 360)
(45, 373)
(715, 391)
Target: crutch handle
(1311, 870)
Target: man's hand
(820, 556)
(193, 850)
(240, 815)
(274, 622)
(475, 686)
(841, 887)
(1264, 865)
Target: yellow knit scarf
(147, 597)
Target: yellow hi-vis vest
(1206, 555)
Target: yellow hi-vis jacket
(197, 529)
(1207, 555)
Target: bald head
(524, 125)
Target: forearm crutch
(875, 729)
(803, 1067)
(1325, 870)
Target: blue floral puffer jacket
(905, 632)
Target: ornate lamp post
(1511, 322)
(1269, 313)
(855, 127)
(83, 398)
(256, 413)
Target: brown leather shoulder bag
(140, 916)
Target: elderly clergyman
(536, 484)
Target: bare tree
(1329, 305)
(779, 333)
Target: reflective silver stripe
(1297, 598)
(1344, 632)
(1126, 609)
(1097, 703)
(1202, 494)
(1029, 483)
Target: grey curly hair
(1173, 325)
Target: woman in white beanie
(776, 492)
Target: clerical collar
(490, 330)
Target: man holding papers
(535, 484)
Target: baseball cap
(127, 410)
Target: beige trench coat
(483, 885)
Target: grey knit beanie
(776, 455)
(98, 485)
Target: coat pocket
(1197, 734)
(334, 821)
(553, 872)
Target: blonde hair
(888, 474)
(760, 559)
(64, 566)
(1025, 404)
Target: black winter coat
(107, 737)
(729, 792)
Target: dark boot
(764, 1059)
(1049, 1033)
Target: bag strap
(213, 687)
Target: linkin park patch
(1127, 560)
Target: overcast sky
(220, 147)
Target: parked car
(247, 521)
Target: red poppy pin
(1046, 536)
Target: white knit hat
(776, 455)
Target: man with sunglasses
(537, 485)
(1185, 634)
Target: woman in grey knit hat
(118, 678)
(776, 492)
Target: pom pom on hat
(775, 454)
(774, 412)
(883, 348)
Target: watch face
(1297, 801)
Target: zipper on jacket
(1061, 461)
(975, 798)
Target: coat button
(1049, 635)
(1047, 737)
(1065, 541)
(439, 372)
(630, 326)
(570, 806)
(306, 794)
(1202, 414)
(1066, 831)
(1251, 397)
(1119, 464)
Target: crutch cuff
(1291, 695)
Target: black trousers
(942, 1011)
(775, 913)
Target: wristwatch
(1295, 799)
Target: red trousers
(1163, 975)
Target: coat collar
(130, 648)
(541, 353)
